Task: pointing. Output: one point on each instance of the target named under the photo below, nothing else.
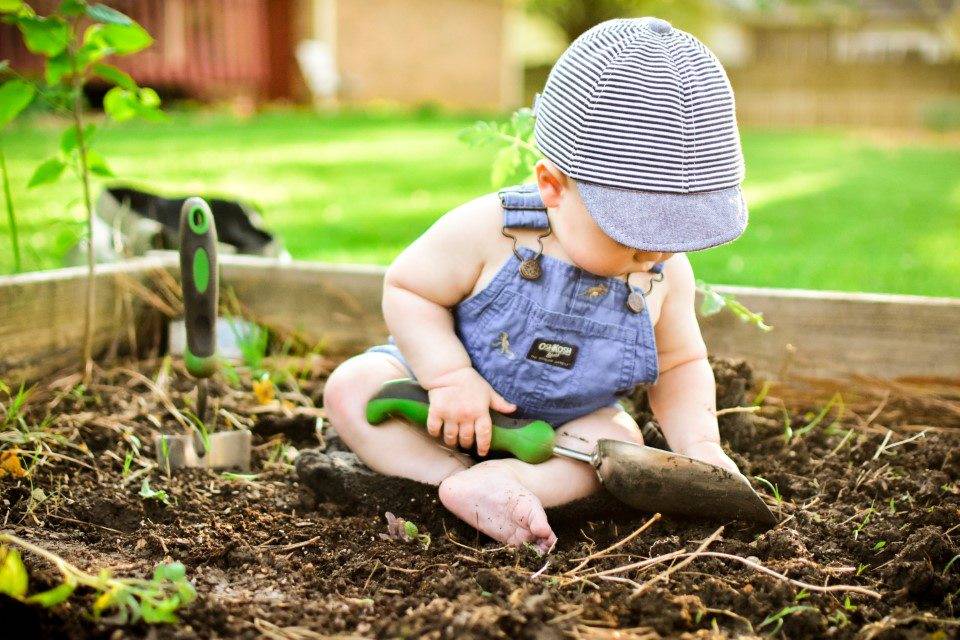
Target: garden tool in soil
(200, 283)
(643, 477)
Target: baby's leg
(392, 448)
(505, 498)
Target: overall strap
(523, 208)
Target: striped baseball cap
(642, 116)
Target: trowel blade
(654, 480)
(227, 450)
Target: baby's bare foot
(488, 497)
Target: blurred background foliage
(340, 120)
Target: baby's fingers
(466, 434)
(434, 422)
(483, 430)
(450, 430)
(498, 403)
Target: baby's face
(580, 236)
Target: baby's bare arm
(421, 286)
(684, 398)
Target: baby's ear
(551, 181)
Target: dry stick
(164, 398)
(750, 409)
(796, 583)
(583, 561)
(289, 547)
(884, 447)
(670, 570)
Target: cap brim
(668, 222)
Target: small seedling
(862, 568)
(863, 523)
(880, 545)
(848, 605)
(131, 454)
(404, 531)
(777, 618)
(239, 477)
(130, 599)
(803, 594)
(946, 569)
(814, 421)
(839, 618)
(714, 302)
(774, 489)
(762, 394)
(153, 494)
(892, 505)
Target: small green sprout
(892, 505)
(946, 569)
(862, 568)
(132, 453)
(517, 150)
(774, 489)
(714, 302)
(863, 523)
(762, 394)
(848, 605)
(803, 594)
(839, 618)
(777, 618)
(814, 421)
(404, 531)
(880, 545)
(152, 494)
(239, 477)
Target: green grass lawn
(829, 210)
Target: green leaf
(149, 98)
(120, 104)
(114, 75)
(506, 166)
(13, 575)
(91, 52)
(124, 39)
(48, 171)
(10, 6)
(68, 141)
(161, 612)
(410, 530)
(103, 13)
(44, 36)
(57, 68)
(480, 134)
(98, 165)
(150, 494)
(522, 122)
(172, 571)
(53, 597)
(72, 8)
(15, 96)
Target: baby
(552, 299)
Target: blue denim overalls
(557, 341)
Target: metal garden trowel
(200, 282)
(643, 477)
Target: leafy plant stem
(11, 216)
(85, 180)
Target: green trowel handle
(198, 272)
(527, 440)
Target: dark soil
(270, 559)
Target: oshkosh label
(556, 353)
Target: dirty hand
(711, 452)
(460, 403)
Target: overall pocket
(553, 362)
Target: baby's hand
(712, 452)
(460, 403)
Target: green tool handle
(528, 440)
(200, 278)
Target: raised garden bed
(868, 481)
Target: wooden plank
(338, 306)
(826, 333)
(41, 316)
